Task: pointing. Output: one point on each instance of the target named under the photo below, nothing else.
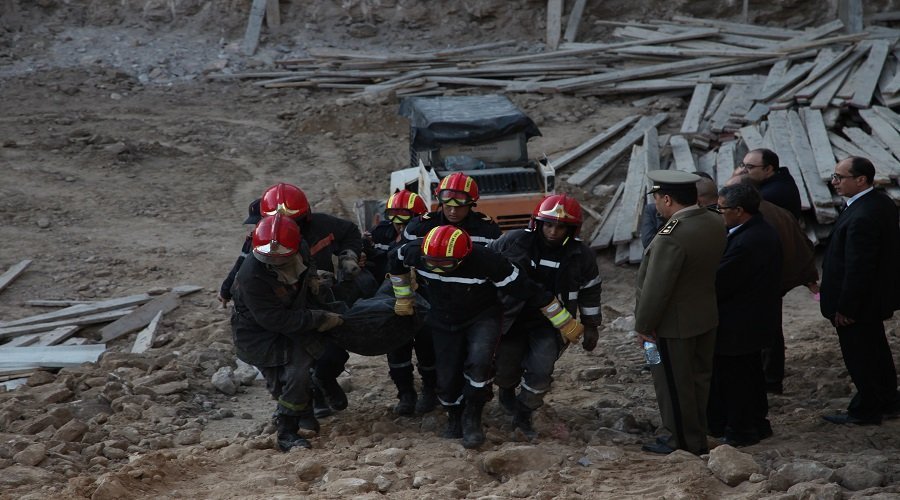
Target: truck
(484, 137)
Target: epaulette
(669, 227)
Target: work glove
(349, 265)
(329, 320)
(591, 336)
(404, 305)
(559, 317)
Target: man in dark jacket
(457, 194)
(551, 253)
(861, 288)
(272, 327)
(748, 298)
(463, 281)
(774, 182)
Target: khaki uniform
(676, 301)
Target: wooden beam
(751, 136)
(681, 154)
(606, 220)
(725, 162)
(17, 358)
(273, 15)
(554, 23)
(780, 130)
(80, 310)
(850, 13)
(883, 130)
(140, 318)
(876, 151)
(819, 194)
(104, 317)
(818, 140)
(632, 196)
(13, 272)
(866, 77)
(254, 25)
(574, 20)
(602, 161)
(593, 142)
(144, 339)
(691, 123)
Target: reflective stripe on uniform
(531, 389)
(549, 263)
(590, 311)
(509, 279)
(451, 279)
(480, 239)
(573, 295)
(595, 281)
(292, 406)
(382, 246)
(479, 384)
(451, 403)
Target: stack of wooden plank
(48, 340)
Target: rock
(188, 437)
(519, 459)
(309, 470)
(52, 393)
(350, 486)
(362, 30)
(731, 466)
(32, 455)
(233, 452)
(38, 424)
(623, 323)
(855, 478)
(40, 377)
(245, 374)
(817, 491)
(799, 472)
(422, 478)
(20, 475)
(382, 483)
(592, 373)
(110, 487)
(223, 381)
(114, 453)
(73, 430)
(172, 388)
(603, 453)
(215, 444)
(43, 222)
(389, 456)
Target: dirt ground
(123, 170)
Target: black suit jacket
(748, 289)
(861, 268)
(781, 189)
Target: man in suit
(861, 288)
(676, 308)
(749, 301)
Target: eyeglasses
(454, 198)
(839, 177)
(722, 208)
(748, 166)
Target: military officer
(676, 307)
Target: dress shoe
(664, 440)
(657, 447)
(843, 418)
(738, 442)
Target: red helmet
(286, 199)
(276, 236)
(560, 209)
(403, 205)
(445, 247)
(457, 189)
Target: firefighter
(273, 328)
(552, 254)
(253, 217)
(457, 194)
(463, 281)
(328, 237)
(401, 207)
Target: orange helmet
(559, 209)
(457, 189)
(445, 247)
(403, 205)
(285, 199)
(276, 236)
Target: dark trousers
(331, 363)
(682, 383)
(290, 383)
(400, 362)
(870, 363)
(738, 406)
(773, 356)
(527, 355)
(465, 356)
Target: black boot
(507, 399)
(287, 434)
(333, 392)
(407, 404)
(427, 400)
(473, 433)
(522, 422)
(454, 423)
(307, 420)
(320, 407)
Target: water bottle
(651, 353)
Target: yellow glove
(405, 304)
(559, 317)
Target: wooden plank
(844, 148)
(602, 237)
(725, 164)
(792, 76)
(602, 161)
(839, 70)
(691, 123)
(738, 99)
(13, 384)
(850, 12)
(103, 317)
(80, 310)
(569, 84)
(554, 23)
(635, 251)
(877, 152)
(681, 153)
(24, 340)
(141, 317)
(883, 130)
(823, 97)
(273, 15)
(776, 74)
(56, 303)
(866, 78)
(818, 140)
(825, 61)
(75, 341)
(707, 163)
(254, 25)
(889, 115)
(593, 142)
(574, 20)
(49, 356)
(144, 339)
(756, 113)
(751, 136)
(632, 197)
(739, 28)
(669, 51)
(57, 336)
(819, 194)
(13, 272)
(623, 252)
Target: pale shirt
(858, 196)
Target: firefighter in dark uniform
(272, 327)
(328, 238)
(551, 253)
(457, 194)
(463, 281)
(401, 207)
(676, 308)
